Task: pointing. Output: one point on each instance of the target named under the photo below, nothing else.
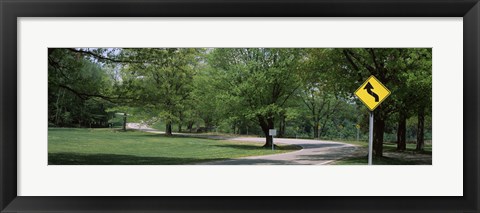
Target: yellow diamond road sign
(372, 93)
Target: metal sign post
(372, 93)
(273, 148)
(272, 132)
(370, 139)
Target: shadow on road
(254, 162)
(252, 147)
(332, 155)
(318, 146)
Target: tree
(242, 90)
(256, 82)
(205, 106)
(420, 83)
(316, 92)
(76, 87)
(388, 66)
(413, 92)
(161, 83)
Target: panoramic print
(239, 106)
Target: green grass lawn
(71, 146)
(391, 155)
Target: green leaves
(305, 88)
(78, 89)
(256, 82)
(163, 79)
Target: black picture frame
(10, 10)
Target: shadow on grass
(409, 151)
(187, 135)
(380, 161)
(69, 158)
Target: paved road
(313, 152)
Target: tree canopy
(302, 92)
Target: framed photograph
(239, 106)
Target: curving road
(313, 152)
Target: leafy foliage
(76, 90)
(302, 92)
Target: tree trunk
(207, 122)
(420, 129)
(124, 122)
(58, 109)
(190, 126)
(402, 132)
(281, 131)
(316, 132)
(180, 122)
(268, 140)
(378, 131)
(323, 129)
(266, 125)
(168, 128)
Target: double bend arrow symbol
(369, 88)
